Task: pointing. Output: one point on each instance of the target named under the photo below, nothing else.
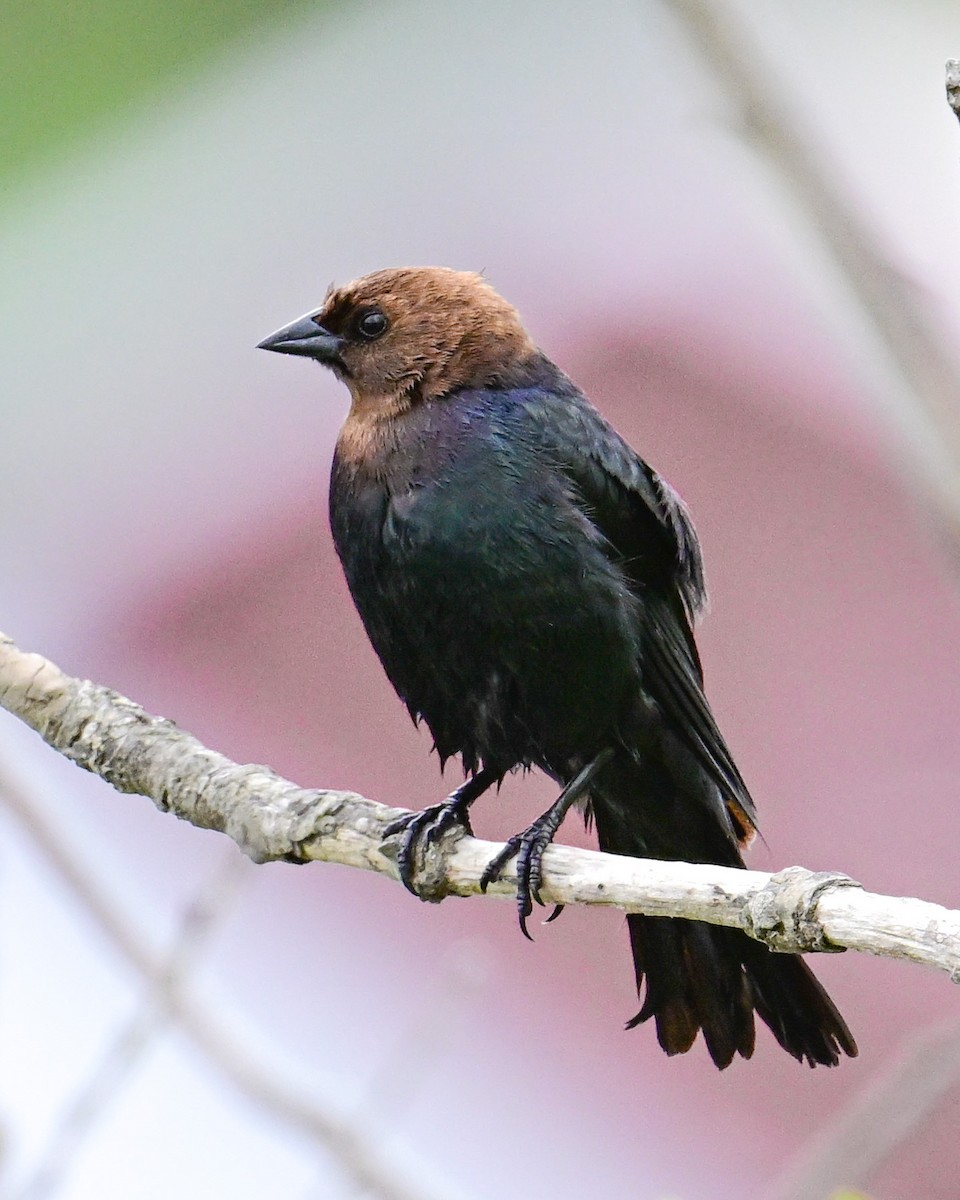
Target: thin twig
(270, 818)
(924, 379)
(855, 1141)
(953, 85)
(356, 1146)
(128, 1048)
(927, 388)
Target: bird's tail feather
(695, 977)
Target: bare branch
(926, 388)
(881, 1117)
(953, 85)
(271, 818)
(923, 383)
(129, 1047)
(355, 1143)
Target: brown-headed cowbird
(530, 584)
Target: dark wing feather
(649, 528)
(675, 678)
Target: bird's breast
(488, 595)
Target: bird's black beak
(305, 336)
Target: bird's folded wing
(649, 529)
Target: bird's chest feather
(488, 593)
(448, 528)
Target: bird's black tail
(694, 976)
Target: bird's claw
(494, 868)
(428, 825)
(529, 848)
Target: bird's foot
(529, 848)
(427, 826)
(530, 845)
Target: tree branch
(896, 1102)
(272, 819)
(922, 382)
(953, 85)
(354, 1141)
(126, 1050)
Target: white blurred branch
(355, 1144)
(895, 1104)
(923, 375)
(926, 389)
(270, 818)
(129, 1047)
(953, 85)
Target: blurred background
(770, 317)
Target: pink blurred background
(165, 533)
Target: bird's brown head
(411, 334)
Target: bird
(530, 585)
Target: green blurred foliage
(64, 64)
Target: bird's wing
(643, 517)
(649, 529)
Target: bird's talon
(400, 824)
(427, 827)
(529, 865)
(535, 876)
(447, 816)
(524, 909)
(494, 868)
(557, 910)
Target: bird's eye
(371, 325)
